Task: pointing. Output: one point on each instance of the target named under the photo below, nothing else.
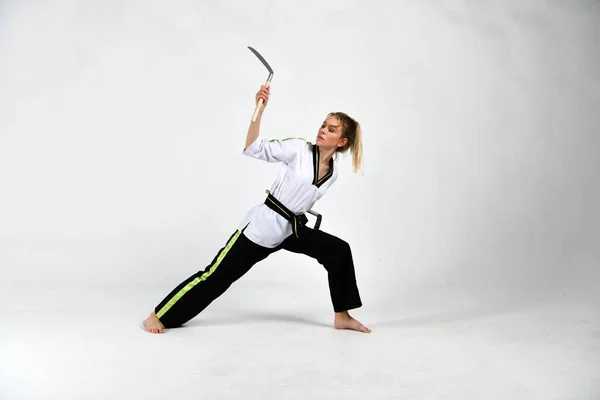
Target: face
(330, 134)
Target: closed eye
(331, 127)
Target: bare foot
(153, 325)
(343, 320)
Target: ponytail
(352, 131)
(356, 149)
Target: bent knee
(340, 246)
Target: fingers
(263, 93)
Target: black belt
(297, 220)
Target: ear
(342, 142)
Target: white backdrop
(122, 125)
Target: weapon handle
(260, 103)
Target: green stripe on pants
(203, 277)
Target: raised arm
(254, 128)
(274, 150)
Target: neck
(325, 155)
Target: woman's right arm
(254, 128)
(274, 150)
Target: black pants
(236, 258)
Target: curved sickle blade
(261, 58)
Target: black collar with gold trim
(316, 160)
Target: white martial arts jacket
(296, 186)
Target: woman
(308, 171)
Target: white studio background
(122, 125)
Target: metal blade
(265, 63)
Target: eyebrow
(333, 126)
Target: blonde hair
(352, 131)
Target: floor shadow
(253, 317)
(437, 318)
(491, 309)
